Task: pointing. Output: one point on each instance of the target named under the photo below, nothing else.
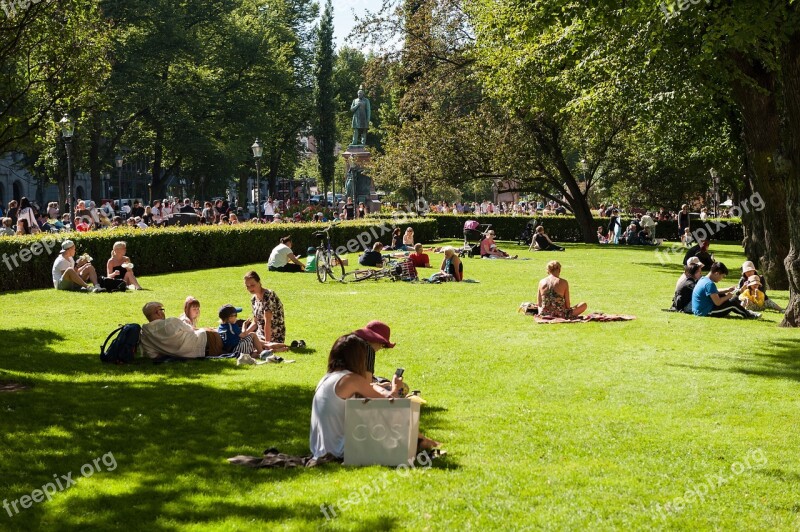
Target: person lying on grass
(346, 378)
(420, 259)
(372, 257)
(162, 336)
(553, 295)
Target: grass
(547, 426)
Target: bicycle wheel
(358, 275)
(336, 267)
(322, 266)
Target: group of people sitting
(697, 294)
(71, 274)
(640, 232)
(260, 337)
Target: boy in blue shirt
(235, 340)
(708, 301)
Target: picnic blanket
(597, 316)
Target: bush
(565, 228)
(27, 261)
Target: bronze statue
(361, 115)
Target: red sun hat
(375, 331)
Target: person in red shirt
(419, 258)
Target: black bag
(112, 284)
(123, 348)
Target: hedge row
(26, 261)
(565, 228)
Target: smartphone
(399, 372)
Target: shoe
(755, 315)
(274, 359)
(301, 344)
(84, 289)
(98, 289)
(294, 343)
(245, 360)
(264, 354)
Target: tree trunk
(790, 62)
(768, 235)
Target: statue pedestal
(358, 184)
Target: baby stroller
(473, 236)
(526, 235)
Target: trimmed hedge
(565, 228)
(26, 261)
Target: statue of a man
(361, 115)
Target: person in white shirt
(282, 258)
(269, 209)
(173, 337)
(156, 211)
(69, 275)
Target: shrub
(27, 261)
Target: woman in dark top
(349, 209)
(362, 210)
(542, 242)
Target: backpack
(123, 347)
(112, 284)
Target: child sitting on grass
(752, 297)
(311, 259)
(235, 340)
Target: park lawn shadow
(780, 362)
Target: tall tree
(325, 130)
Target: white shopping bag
(380, 431)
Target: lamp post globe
(119, 160)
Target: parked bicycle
(328, 262)
(391, 269)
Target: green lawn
(547, 426)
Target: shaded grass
(556, 427)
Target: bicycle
(328, 262)
(390, 270)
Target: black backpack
(123, 347)
(112, 284)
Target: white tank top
(327, 417)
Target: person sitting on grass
(420, 259)
(162, 336)
(119, 266)
(282, 259)
(682, 300)
(701, 252)
(542, 242)
(601, 237)
(191, 312)
(244, 342)
(311, 259)
(553, 295)
(489, 249)
(408, 238)
(707, 300)
(749, 270)
(71, 275)
(346, 378)
(376, 334)
(452, 269)
(691, 261)
(372, 257)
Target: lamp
(67, 130)
(258, 151)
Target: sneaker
(245, 360)
(98, 289)
(755, 315)
(273, 359)
(264, 354)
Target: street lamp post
(258, 151)
(67, 130)
(119, 160)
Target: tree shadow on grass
(781, 362)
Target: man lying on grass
(162, 336)
(708, 301)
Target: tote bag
(381, 431)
